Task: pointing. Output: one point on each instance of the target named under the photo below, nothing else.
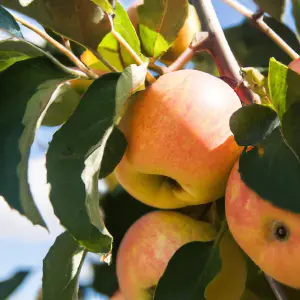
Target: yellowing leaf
(229, 284)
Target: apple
(180, 148)
(117, 296)
(270, 236)
(185, 36)
(149, 244)
(295, 65)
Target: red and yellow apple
(295, 65)
(148, 246)
(269, 235)
(180, 148)
(185, 36)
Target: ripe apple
(117, 296)
(269, 235)
(185, 36)
(180, 147)
(149, 244)
(295, 65)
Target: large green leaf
(8, 286)
(283, 86)
(26, 89)
(109, 47)
(159, 24)
(272, 170)
(252, 123)
(254, 48)
(274, 8)
(87, 145)
(65, 101)
(74, 195)
(190, 270)
(291, 128)
(7, 22)
(61, 269)
(78, 20)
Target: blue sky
(23, 245)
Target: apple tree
(193, 130)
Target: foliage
(40, 86)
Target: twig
(106, 63)
(220, 50)
(158, 69)
(128, 48)
(276, 288)
(198, 44)
(59, 46)
(263, 27)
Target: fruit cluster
(181, 152)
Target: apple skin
(180, 148)
(295, 65)
(117, 296)
(185, 36)
(254, 224)
(148, 246)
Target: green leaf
(26, 88)
(124, 26)
(65, 101)
(291, 128)
(114, 150)
(159, 24)
(272, 170)
(61, 269)
(275, 8)
(104, 5)
(254, 48)
(296, 13)
(8, 23)
(8, 286)
(283, 86)
(190, 270)
(78, 20)
(131, 80)
(109, 47)
(252, 123)
(13, 49)
(73, 164)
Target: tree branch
(260, 23)
(59, 46)
(220, 50)
(199, 43)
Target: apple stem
(219, 48)
(59, 46)
(276, 288)
(260, 23)
(128, 48)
